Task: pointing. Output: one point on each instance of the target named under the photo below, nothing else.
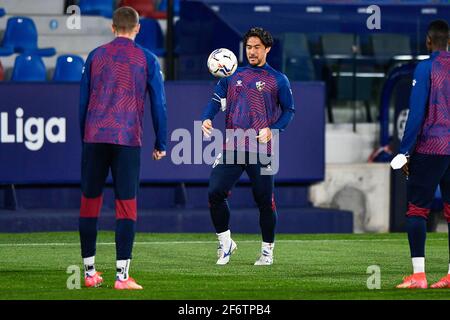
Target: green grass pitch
(182, 266)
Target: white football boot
(226, 247)
(266, 258)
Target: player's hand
(158, 155)
(207, 127)
(264, 135)
(405, 168)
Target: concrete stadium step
(56, 25)
(76, 44)
(30, 7)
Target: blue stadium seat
(68, 68)
(338, 43)
(339, 87)
(176, 6)
(4, 51)
(297, 62)
(21, 36)
(97, 7)
(151, 37)
(387, 45)
(29, 68)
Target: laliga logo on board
(33, 131)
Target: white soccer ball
(222, 63)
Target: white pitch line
(52, 244)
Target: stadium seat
(29, 68)
(97, 7)
(151, 37)
(297, 62)
(2, 12)
(68, 68)
(337, 43)
(176, 6)
(340, 87)
(6, 52)
(145, 8)
(337, 49)
(21, 36)
(387, 45)
(295, 44)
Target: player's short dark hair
(265, 36)
(125, 19)
(439, 33)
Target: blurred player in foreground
(115, 81)
(426, 143)
(258, 99)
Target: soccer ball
(222, 63)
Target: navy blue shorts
(426, 173)
(124, 162)
(225, 175)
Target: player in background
(426, 143)
(116, 79)
(260, 98)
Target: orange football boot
(93, 281)
(414, 281)
(129, 284)
(444, 283)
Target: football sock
(122, 268)
(267, 248)
(88, 236)
(89, 266)
(267, 222)
(125, 231)
(220, 213)
(224, 237)
(417, 233)
(418, 264)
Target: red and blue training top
(116, 78)
(428, 126)
(256, 98)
